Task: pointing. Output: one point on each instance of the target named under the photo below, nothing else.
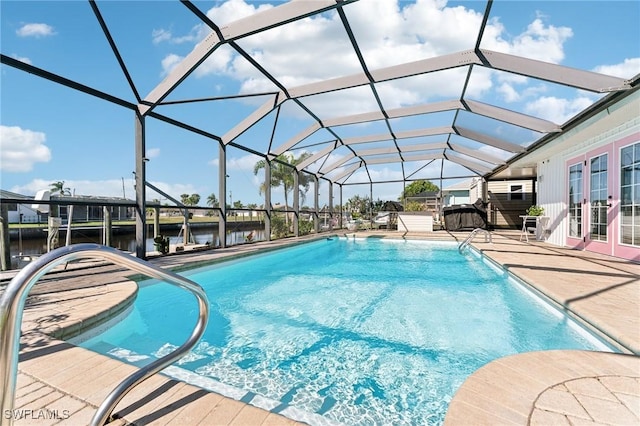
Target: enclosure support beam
(371, 205)
(5, 250)
(267, 200)
(141, 188)
(341, 208)
(316, 210)
(222, 195)
(330, 206)
(485, 190)
(156, 222)
(107, 232)
(296, 202)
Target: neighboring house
(22, 213)
(457, 194)
(508, 200)
(588, 178)
(431, 200)
(476, 189)
(95, 212)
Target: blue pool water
(358, 332)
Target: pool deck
(59, 383)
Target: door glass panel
(630, 195)
(598, 198)
(626, 177)
(575, 201)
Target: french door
(603, 199)
(590, 201)
(599, 233)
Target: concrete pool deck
(59, 383)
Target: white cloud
(425, 29)
(539, 41)
(627, 69)
(105, 188)
(158, 36)
(218, 63)
(197, 33)
(544, 43)
(513, 93)
(557, 110)
(35, 30)
(21, 148)
(246, 162)
(385, 174)
(233, 10)
(403, 32)
(22, 59)
(153, 152)
(34, 186)
(495, 152)
(508, 92)
(170, 62)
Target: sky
(51, 133)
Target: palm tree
(282, 174)
(194, 199)
(212, 200)
(357, 205)
(59, 188)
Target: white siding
(552, 188)
(415, 222)
(552, 177)
(504, 211)
(476, 190)
(28, 215)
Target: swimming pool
(354, 331)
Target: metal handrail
(12, 306)
(472, 235)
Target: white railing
(467, 241)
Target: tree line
(282, 176)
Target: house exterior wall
(476, 190)
(96, 213)
(553, 176)
(504, 208)
(456, 197)
(552, 193)
(28, 215)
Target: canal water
(126, 242)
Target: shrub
(305, 227)
(535, 211)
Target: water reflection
(126, 242)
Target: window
(630, 195)
(575, 201)
(598, 198)
(516, 192)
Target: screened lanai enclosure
(284, 110)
